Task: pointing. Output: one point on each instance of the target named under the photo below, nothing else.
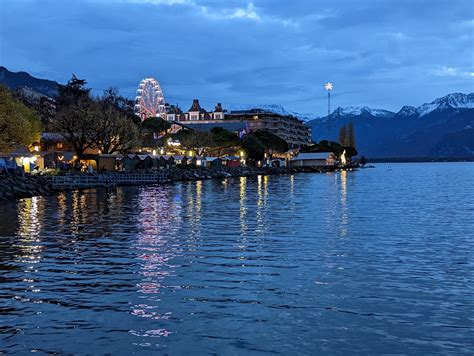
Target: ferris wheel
(149, 101)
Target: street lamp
(328, 86)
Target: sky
(379, 53)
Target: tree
(19, 125)
(76, 122)
(114, 131)
(196, 140)
(254, 150)
(104, 123)
(124, 105)
(222, 139)
(155, 125)
(352, 141)
(73, 91)
(342, 135)
(259, 142)
(44, 106)
(271, 143)
(76, 116)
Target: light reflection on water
(353, 262)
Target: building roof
(52, 136)
(143, 157)
(230, 126)
(174, 110)
(231, 158)
(312, 155)
(218, 108)
(195, 106)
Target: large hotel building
(294, 131)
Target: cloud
(444, 71)
(154, 2)
(214, 11)
(248, 51)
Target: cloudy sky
(378, 53)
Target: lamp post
(328, 86)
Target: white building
(313, 159)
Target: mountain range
(443, 128)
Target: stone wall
(14, 187)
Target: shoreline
(18, 187)
(419, 160)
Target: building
(195, 113)
(313, 159)
(233, 126)
(294, 131)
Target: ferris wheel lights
(150, 101)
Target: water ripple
(376, 261)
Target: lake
(377, 261)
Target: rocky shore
(16, 186)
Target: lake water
(374, 261)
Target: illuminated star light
(328, 86)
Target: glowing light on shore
(343, 157)
(328, 86)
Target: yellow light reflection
(30, 217)
(344, 216)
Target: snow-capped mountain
(442, 128)
(275, 108)
(407, 110)
(450, 101)
(360, 110)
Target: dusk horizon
(382, 55)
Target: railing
(106, 180)
(140, 178)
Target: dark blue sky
(378, 53)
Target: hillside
(442, 128)
(22, 79)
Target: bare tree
(113, 130)
(75, 121)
